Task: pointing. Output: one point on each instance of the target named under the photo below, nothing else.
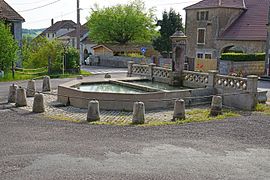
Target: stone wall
(244, 68)
(122, 62)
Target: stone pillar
(130, 64)
(12, 93)
(93, 113)
(138, 113)
(31, 88)
(212, 78)
(151, 70)
(252, 83)
(179, 110)
(46, 84)
(20, 97)
(216, 106)
(38, 105)
(252, 88)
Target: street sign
(143, 50)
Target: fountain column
(178, 57)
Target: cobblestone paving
(56, 111)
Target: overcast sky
(66, 9)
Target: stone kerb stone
(179, 110)
(107, 76)
(20, 98)
(12, 93)
(38, 105)
(46, 84)
(93, 113)
(138, 113)
(80, 77)
(31, 88)
(216, 106)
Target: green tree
(8, 47)
(122, 24)
(171, 21)
(36, 54)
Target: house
(13, 19)
(118, 49)
(217, 26)
(58, 29)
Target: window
(202, 15)
(201, 36)
(200, 55)
(208, 56)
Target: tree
(37, 52)
(122, 24)
(8, 47)
(171, 21)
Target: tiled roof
(83, 31)
(8, 13)
(218, 3)
(64, 24)
(251, 25)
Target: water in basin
(108, 88)
(157, 85)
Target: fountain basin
(73, 93)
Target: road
(33, 147)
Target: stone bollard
(138, 113)
(107, 76)
(80, 77)
(93, 113)
(46, 84)
(179, 110)
(20, 97)
(216, 106)
(31, 88)
(38, 105)
(12, 93)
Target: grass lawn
(34, 74)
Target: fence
(220, 83)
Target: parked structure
(12, 19)
(216, 26)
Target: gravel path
(34, 147)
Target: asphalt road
(33, 147)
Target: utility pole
(78, 29)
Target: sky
(37, 17)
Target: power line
(42, 20)
(26, 10)
(28, 3)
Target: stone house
(12, 19)
(217, 26)
(58, 29)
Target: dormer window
(202, 15)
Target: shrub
(243, 57)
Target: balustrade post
(211, 78)
(252, 83)
(130, 65)
(151, 70)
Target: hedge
(243, 57)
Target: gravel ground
(34, 147)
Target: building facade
(217, 26)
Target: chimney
(52, 22)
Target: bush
(243, 57)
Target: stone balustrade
(195, 79)
(231, 82)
